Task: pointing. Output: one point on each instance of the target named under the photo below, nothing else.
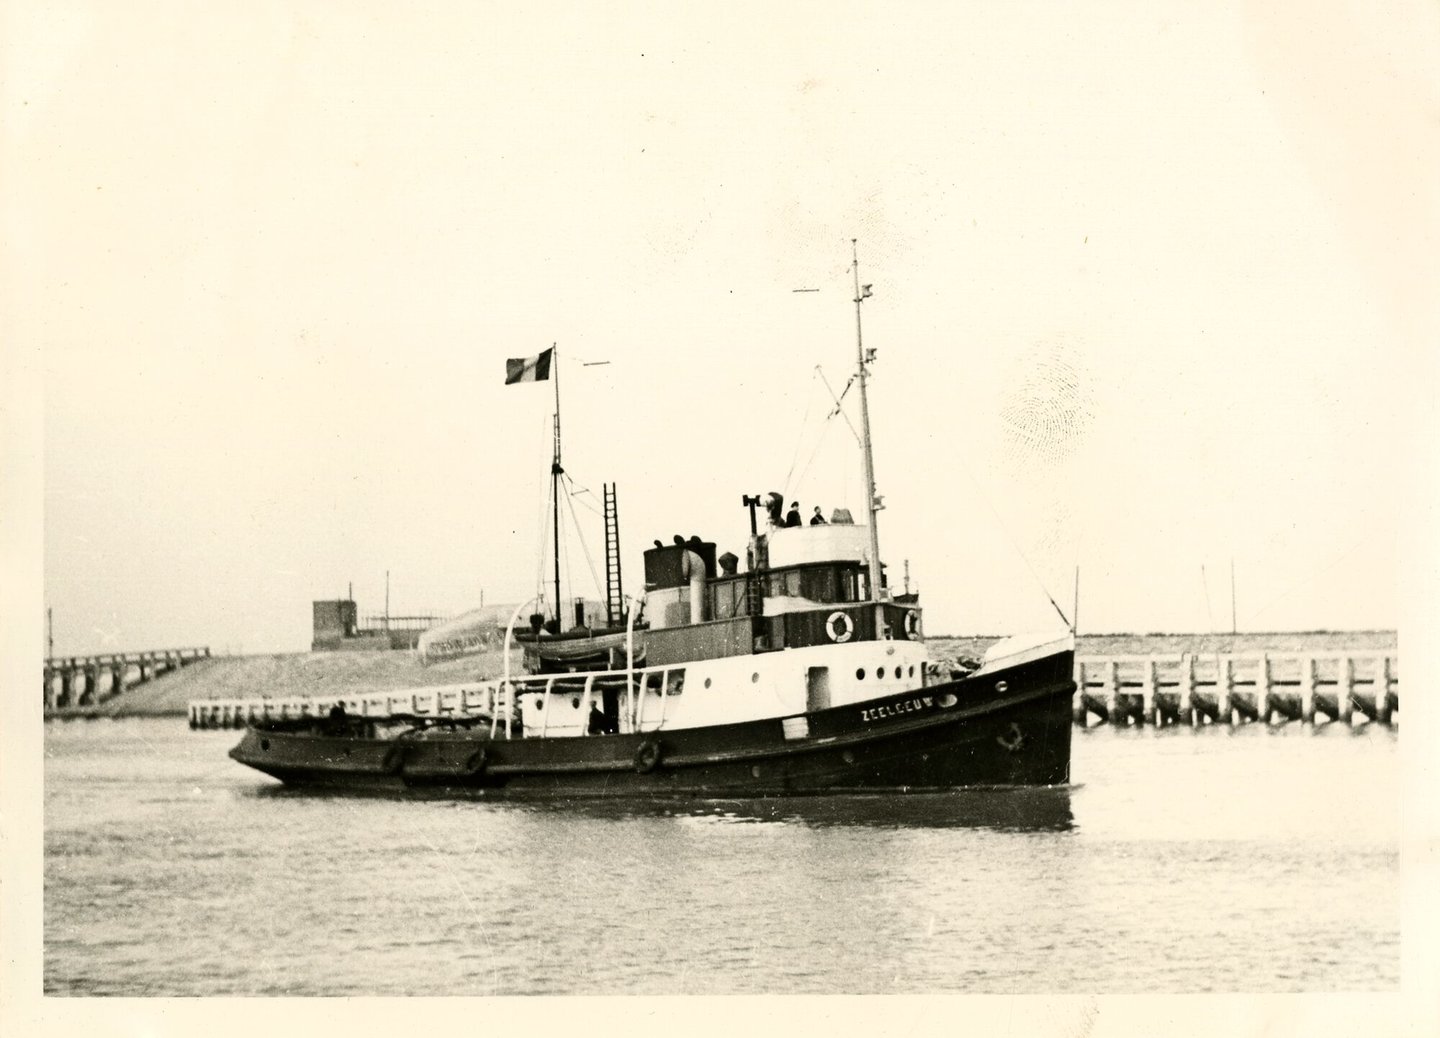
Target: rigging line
(584, 548)
(575, 492)
(804, 424)
(839, 409)
(839, 405)
(588, 507)
(816, 450)
(819, 441)
(540, 523)
(541, 553)
(960, 459)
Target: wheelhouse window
(827, 583)
(823, 583)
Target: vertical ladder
(614, 589)
(755, 579)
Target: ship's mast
(872, 502)
(555, 473)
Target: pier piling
(1269, 688)
(78, 681)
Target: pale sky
(1154, 291)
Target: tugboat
(801, 674)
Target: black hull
(1007, 728)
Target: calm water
(1182, 861)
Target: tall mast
(555, 472)
(872, 502)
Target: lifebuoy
(647, 757)
(912, 624)
(1013, 739)
(839, 626)
(394, 759)
(475, 763)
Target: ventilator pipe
(693, 567)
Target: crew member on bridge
(792, 517)
(817, 519)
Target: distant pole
(49, 632)
(907, 576)
(1075, 609)
(387, 600)
(1233, 628)
(350, 592)
(1205, 587)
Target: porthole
(264, 744)
(754, 677)
(912, 670)
(707, 682)
(860, 674)
(879, 672)
(539, 703)
(575, 703)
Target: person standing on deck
(817, 519)
(792, 517)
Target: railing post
(509, 640)
(1187, 689)
(585, 701)
(1307, 690)
(1345, 689)
(630, 662)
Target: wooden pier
(1215, 688)
(1184, 688)
(78, 681)
(476, 699)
